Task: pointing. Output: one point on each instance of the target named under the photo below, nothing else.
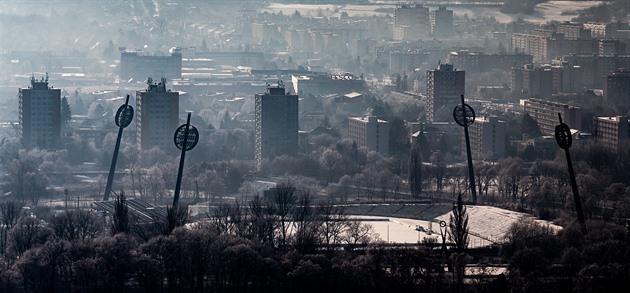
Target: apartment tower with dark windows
(276, 125)
(40, 115)
(445, 85)
(157, 116)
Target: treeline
(605, 12)
(281, 244)
(242, 248)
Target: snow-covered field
(492, 222)
(544, 12)
(486, 226)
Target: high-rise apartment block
(157, 116)
(40, 115)
(545, 113)
(544, 81)
(442, 22)
(487, 138)
(617, 87)
(369, 132)
(445, 85)
(276, 125)
(612, 132)
(542, 45)
(411, 22)
(545, 45)
(595, 68)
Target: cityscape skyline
(338, 145)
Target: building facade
(612, 132)
(445, 85)
(264, 32)
(541, 46)
(276, 126)
(617, 87)
(409, 60)
(157, 116)
(137, 65)
(323, 84)
(613, 30)
(595, 68)
(573, 31)
(369, 132)
(411, 23)
(545, 45)
(545, 113)
(487, 138)
(482, 62)
(40, 115)
(544, 81)
(442, 22)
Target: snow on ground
(486, 224)
(399, 230)
(493, 223)
(559, 10)
(544, 12)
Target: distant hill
(520, 6)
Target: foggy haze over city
(311, 146)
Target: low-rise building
(487, 138)
(612, 132)
(369, 132)
(545, 113)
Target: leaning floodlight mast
(123, 118)
(464, 115)
(186, 138)
(564, 140)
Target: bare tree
(306, 226)
(10, 212)
(330, 159)
(261, 221)
(358, 233)
(439, 169)
(156, 185)
(220, 219)
(333, 222)
(137, 177)
(509, 178)
(175, 217)
(25, 181)
(284, 200)
(458, 225)
(120, 218)
(76, 225)
(28, 233)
